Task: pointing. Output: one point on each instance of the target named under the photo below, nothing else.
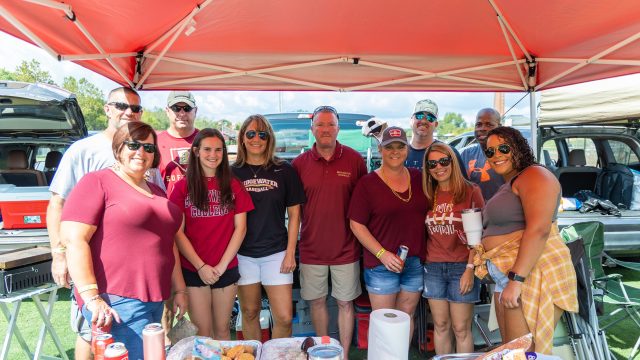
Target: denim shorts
(498, 277)
(442, 282)
(134, 315)
(381, 281)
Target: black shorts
(230, 277)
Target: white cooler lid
(9, 192)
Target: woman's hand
(180, 303)
(101, 313)
(392, 262)
(466, 281)
(208, 275)
(219, 269)
(510, 297)
(288, 264)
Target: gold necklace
(384, 179)
(435, 203)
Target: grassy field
(621, 337)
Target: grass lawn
(621, 337)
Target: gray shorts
(78, 323)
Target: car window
(550, 153)
(622, 153)
(586, 144)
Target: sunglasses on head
(425, 116)
(124, 106)
(325, 108)
(445, 161)
(252, 133)
(177, 108)
(491, 151)
(135, 145)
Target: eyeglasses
(252, 133)
(325, 108)
(445, 161)
(177, 108)
(134, 146)
(124, 106)
(503, 148)
(425, 115)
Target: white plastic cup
(472, 225)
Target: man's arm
(59, 268)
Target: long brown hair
(459, 185)
(262, 124)
(196, 183)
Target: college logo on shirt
(259, 185)
(181, 154)
(214, 206)
(343, 173)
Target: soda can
(101, 343)
(153, 341)
(98, 330)
(116, 351)
(403, 251)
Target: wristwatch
(515, 277)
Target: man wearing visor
(424, 122)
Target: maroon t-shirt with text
(132, 247)
(210, 231)
(390, 220)
(443, 220)
(174, 157)
(325, 235)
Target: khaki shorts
(345, 281)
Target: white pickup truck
(38, 123)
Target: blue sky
(394, 107)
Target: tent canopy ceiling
(375, 45)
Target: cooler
(362, 307)
(24, 207)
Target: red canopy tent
(337, 45)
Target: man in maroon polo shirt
(329, 173)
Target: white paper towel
(388, 335)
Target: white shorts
(265, 270)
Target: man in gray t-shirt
(84, 156)
(474, 161)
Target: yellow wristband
(380, 252)
(59, 250)
(84, 288)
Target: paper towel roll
(388, 335)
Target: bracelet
(84, 288)
(203, 264)
(92, 299)
(471, 266)
(59, 250)
(380, 252)
(184, 291)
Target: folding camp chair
(607, 289)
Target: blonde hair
(459, 185)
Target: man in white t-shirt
(84, 156)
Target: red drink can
(403, 251)
(116, 351)
(102, 341)
(153, 341)
(98, 330)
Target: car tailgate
(621, 234)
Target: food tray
(184, 347)
(288, 348)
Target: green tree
(6, 74)
(156, 117)
(91, 100)
(452, 123)
(30, 71)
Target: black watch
(515, 277)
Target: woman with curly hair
(449, 284)
(521, 249)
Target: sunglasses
(325, 108)
(134, 146)
(252, 133)
(503, 148)
(124, 106)
(176, 108)
(424, 115)
(445, 161)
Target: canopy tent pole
(598, 62)
(81, 57)
(510, 29)
(172, 40)
(591, 60)
(513, 54)
(28, 33)
(534, 122)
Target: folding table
(10, 306)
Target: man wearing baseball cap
(424, 122)
(175, 142)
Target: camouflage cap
(426, 105)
